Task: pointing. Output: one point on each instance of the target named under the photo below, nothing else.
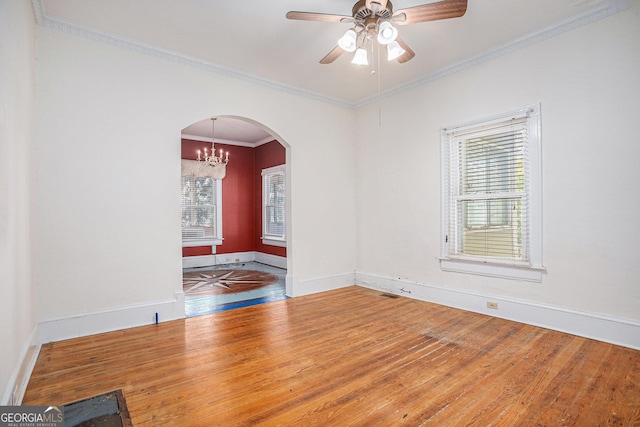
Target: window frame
(267, 238)
(208, 241)
(532, 268)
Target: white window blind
(487, 191)
(273, 199)
(487, 195)
(199, 207)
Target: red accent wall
(241, 196)
(238, 225)
(196, 250)
(267, 156)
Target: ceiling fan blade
(322, 17)
(444, 9)
(332, 56)
(408, 55)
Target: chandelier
(355, 40)
(213, 160)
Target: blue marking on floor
(240, 304)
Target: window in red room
(273, 206)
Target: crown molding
(264, 140)
(81, 31)
(228, 141)
(607, 9)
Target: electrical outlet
(492, 305)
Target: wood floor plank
(626, 410)
(567, 386)
(347, 357)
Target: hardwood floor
(347, 357)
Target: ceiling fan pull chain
(373, 62)
(379, 90)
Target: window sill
(493, 269)
(191, 243)
(274, 242)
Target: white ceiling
(253, 38)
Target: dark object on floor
(105, 410)
(388, 295)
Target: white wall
(108, 137)
(587, 81)
(17, 109)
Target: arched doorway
(233, 216)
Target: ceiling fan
(375, 19)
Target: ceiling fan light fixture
(360, 58)
(394, 51)
(387, 33)
(348, 41)
(374, 18)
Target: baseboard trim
(217, 259)
(272, 260)
(198, 261)
(112, 319)
(619, 331)
(233, 258)
(296, 287)
(17, 385)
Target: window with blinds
(487, 191)
(273, 201)
(199, 208)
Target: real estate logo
(31, 416)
